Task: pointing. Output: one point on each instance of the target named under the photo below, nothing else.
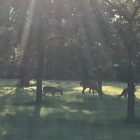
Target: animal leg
(53, 95)
(43, 94)
(83, 94)
(93, 91)
(90, 91)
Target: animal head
(61, 91)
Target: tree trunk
(40, 73)
(24, 77)
(131, 102)
(40, 43)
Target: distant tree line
(80, 41)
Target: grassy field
(67, 117)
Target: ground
(67, 117)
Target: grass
(67, 117)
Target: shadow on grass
(69, 118)
(17, 97)
(78, 121)
(20, 121)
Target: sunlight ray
(85, 17)
(27, 27)
(94, 28)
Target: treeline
(80, 39)
(13, 72)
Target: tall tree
(124, 18)
(40, 44)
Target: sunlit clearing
(78, 88)
(87, 112)
(27, 27)
(110, 90)
(7, 111)
(30, 88)
(4, 132)
(137, 93)
(66, 107)
(70, 110)
(107, 89)
(7, 90)
(47, 111)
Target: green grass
(67, 117)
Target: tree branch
(118, 10)
(135, 12)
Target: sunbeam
(26, 29)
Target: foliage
(93, 34)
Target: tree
(124, 18)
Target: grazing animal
(91, 85)
(124, 94)
(52, 90)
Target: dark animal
(92, 85)
(124, 94)
(52, 90)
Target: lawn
(67, 117)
